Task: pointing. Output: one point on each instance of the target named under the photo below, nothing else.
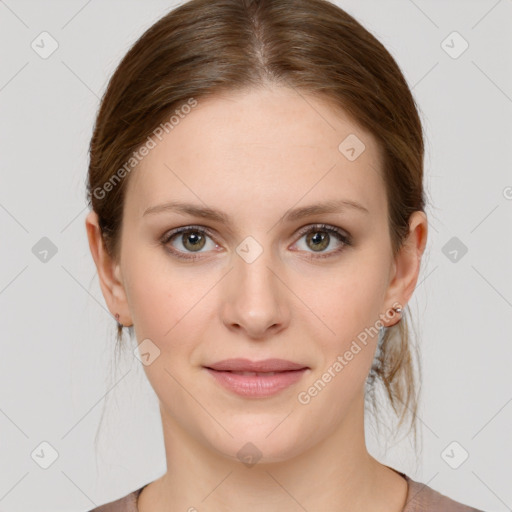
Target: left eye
(194, 238)
(319, 237)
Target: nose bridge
(252, 267)
(256, 299)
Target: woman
(258, 223)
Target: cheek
(154, 306)
(347, 340)
(348, 301)
(166, 302)
(155, 295)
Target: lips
(242, 366)
(256, 379)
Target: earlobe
(109, 273)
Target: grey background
(57, 335)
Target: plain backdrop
(57, 337)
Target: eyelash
(345, 239)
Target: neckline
(403, 475)
(409, 490)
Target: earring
(119, 325)
(398, 310)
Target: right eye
(189, 239)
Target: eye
(185, 241)
(319, 237)
(191, 239)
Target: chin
(261, 442)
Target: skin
(254, 155)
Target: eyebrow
(333, 206)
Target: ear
(406, 266)
(109, 272)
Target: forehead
(272, 145)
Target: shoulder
(422, 498)
(127, 503)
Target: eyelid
(212, 233)
(189, 227)
(343, 237)
(326, 227)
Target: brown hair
(206, 47)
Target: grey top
(420, 498)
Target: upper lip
(246, 365)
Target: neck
(336, 474)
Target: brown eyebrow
(334, 206)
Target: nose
(255, 297)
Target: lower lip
(257, 386)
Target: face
(265, 278)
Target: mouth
(252, 374)
(256, 379)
